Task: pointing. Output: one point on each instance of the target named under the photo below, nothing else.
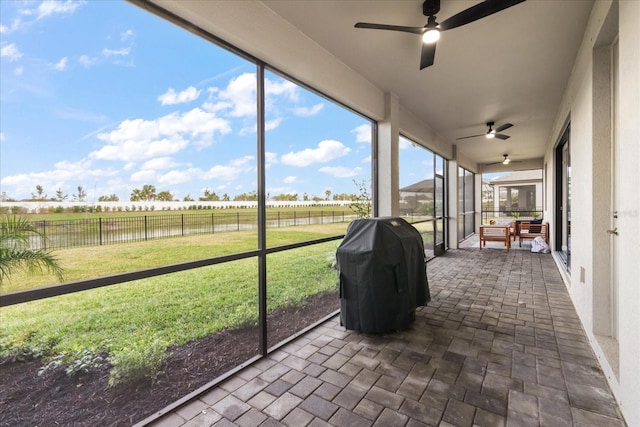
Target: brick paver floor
(500, 344)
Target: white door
(615, 197)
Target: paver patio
(500, 344)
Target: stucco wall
(580, 104)
(629, 210)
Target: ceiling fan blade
(479, 11)
(501, 136)
(428, 55)
(412, 30)
(472, 136)
(503, 127)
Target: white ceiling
(510, 67)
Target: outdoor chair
(529, 231)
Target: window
(422, 193)
(201, 186)
(563, 199)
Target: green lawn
(96, 261)
(135, 322)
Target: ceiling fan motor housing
(430, 7)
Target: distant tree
(39, 194)
(345, 196)
(327, 193)
(286, 197)
(146, 193)
(210, 196)
(110, 198)
(251, 196)
(60, 196)
(80, 195)
(15, 252)
(164, 196)
(187, 198)
(318, 199)
(305, 197)
(225, 197)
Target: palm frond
(15, 253)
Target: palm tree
(15, 252)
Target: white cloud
(272, 124)
(231, 171)
(116, 52)
(284, 87)
(228, 172)
(404, 143)
(18, 71)
(327, 150)
(17, 23)
(144, 176)
(10, 51)
(340, 171)
(61, 65)
(87, 61)
(45, 9)
(81, 172)
(366, 160)
(126, 35)
(131, 149)
(270, 158)
(2, 137)
(363, 133)
(171, 97)
(268, 125)
(159, 163)
(176, 177)
(290, 179)
(140, 139)
(53, 7)
(308, 111)
(240, 95)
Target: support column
(453, 199)
(388, 196)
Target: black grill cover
(383, 275)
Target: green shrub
(140, 361)
(26, 347)
(18, 210)
(75, 362)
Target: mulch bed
(53, 399)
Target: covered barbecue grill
(383, 275)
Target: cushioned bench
(529, 231)
(495, 233)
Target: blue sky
(104, 95)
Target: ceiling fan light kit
(431, 32)
(491, 132)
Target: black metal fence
(71, 233)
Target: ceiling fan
(505, 161)
(491, 132)
(431, 31)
